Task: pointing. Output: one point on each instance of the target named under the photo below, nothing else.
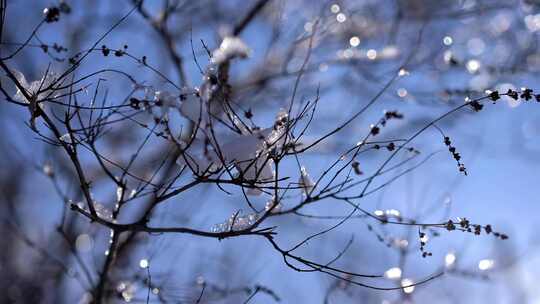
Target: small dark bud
(526, 94)
(447, 141)
(392, 114)
(494, 95)
(450, 225)
(374, 130)
(476, 105)
(58, 48)
(356, 167)
(513, 94)
(134, 103)
(52, 14)
(105, 50)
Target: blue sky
(498, 145)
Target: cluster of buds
(526, 95)
(423, 241)
(463, 224)
(374, 129)
(390, 115)
(455, 154)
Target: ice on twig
(231, 47)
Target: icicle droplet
(486, 264)
(270, 203)
(237, 221)
(252, 218)
(406, 284)
(403, 72)
(66, 138)
(393, 213)
(449, 259)
(393, 273)
(305, 181)
(119, 193)
(231, 47)
(143, 263)
(102, 211)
